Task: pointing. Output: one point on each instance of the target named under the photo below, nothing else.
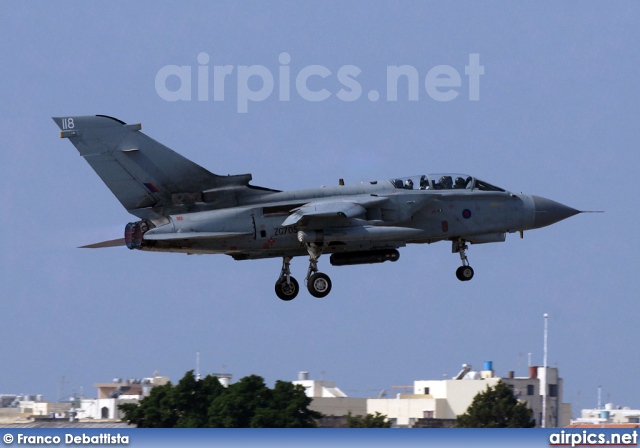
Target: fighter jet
(184, 208)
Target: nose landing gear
(465, 272)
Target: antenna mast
(544, 385)
(599, 397)
(61, 384)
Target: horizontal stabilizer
(110, 243)
(193, 235)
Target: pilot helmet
(408, 184)
(446, 181)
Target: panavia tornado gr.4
(184, 208)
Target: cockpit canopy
(443, 181)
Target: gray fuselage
(473, 215)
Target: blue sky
(557, 117)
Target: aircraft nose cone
(549, 212)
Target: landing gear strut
(465, 272)
(287, 287)
(318, 284)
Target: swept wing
(329, 213)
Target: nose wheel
(465, 272)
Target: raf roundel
(466, 213)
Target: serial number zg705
(280, 231)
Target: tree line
(249, 403)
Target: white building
(119, 391)
(328, 399)
(608, 415)
(446, 399)
(111, 395)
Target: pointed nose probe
(548, 212)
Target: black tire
(319, 285)
(464, 273)
(286, 291)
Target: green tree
(249, 403)
(206, 403)
(496, 407)
(154, 411)
(192, 399)
(376, 420)
(236, 407)
(184, 405)
(288, 407)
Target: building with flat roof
(329, 399)
(115, 393)
(446, 399)
(607, 416)
(121, 391)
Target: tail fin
(146, 177)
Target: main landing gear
(286, 287)
(465, 272)
(318, 283)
